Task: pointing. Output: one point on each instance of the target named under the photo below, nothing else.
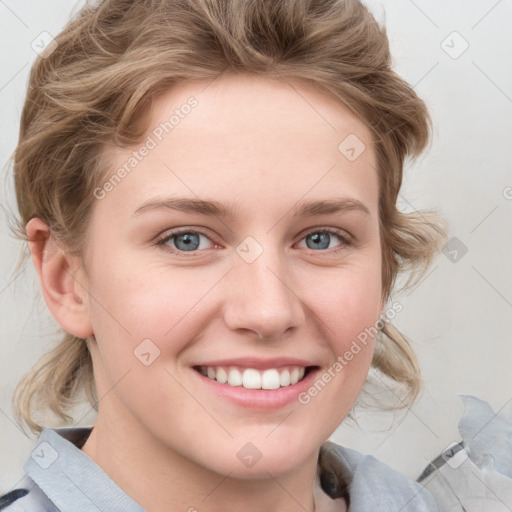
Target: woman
(209, 191)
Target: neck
(160, 479)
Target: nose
(260, 298)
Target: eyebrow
(212, 208)
(307, 209)
(216, 209)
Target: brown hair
(112, 60)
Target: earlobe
(60, 279)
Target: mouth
(252, 378)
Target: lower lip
(260, 398)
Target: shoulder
(27, 497)
(370, 484)
(60, 476)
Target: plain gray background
(459, 317)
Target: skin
(262, 146)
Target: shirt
(59, 477)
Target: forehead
(249, 137)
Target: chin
(260, 458)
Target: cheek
(144, 319)
(141, 301)
(349, 308)
(349, 302)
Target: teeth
(284, 378)
(270, 379)
(221, 376)
(254, 379)
(251, 379)
(234, 377)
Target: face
(243, 245)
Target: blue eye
(322, 239)
(190, 241)
(185, 241)
(318, 240)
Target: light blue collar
(71, 479)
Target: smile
(250, 378)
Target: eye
(185, 240)
(322, 239)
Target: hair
(113, 59)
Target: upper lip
(258, 363)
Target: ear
(61, 279)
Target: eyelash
(346, 240)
